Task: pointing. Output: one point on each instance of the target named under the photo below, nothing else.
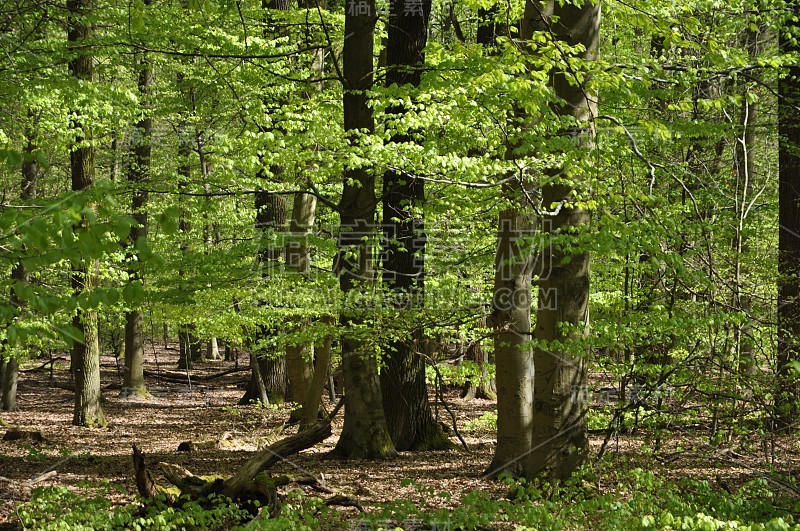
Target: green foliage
(60, 508)
(637, 500)
(486, 422)
(458, 375)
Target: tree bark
(256, 390)
(30, 177)
(138, 177)
(483, 386)
(560, 442)
(511, 322)
(322, 362)
(299, 367)
(786, 396)
(9, 380)
(3, 365)
(270, 218)
(365, 434)
(86, 353)
(405, 392)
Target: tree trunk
(322, 362)
(405, 392)
(786, 396)
(188, 347)
(9, 380)
(3, 365)
(745, 167)
(212, 350)
(482, 387)
(256, 390)
(511, 321)
(86, 353)
(30, 176)
(560, 440)
(364, 434)
(138, 177)
(298, 355)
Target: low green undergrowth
(637, 500)
(640, 500)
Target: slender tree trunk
(745, 167)
(30, 177)
(364, 434)
(298, 355)
(212, 350)
(3, 365)
(786, 395)
(271, 213)
(138, 177)
(560, 440)
(189, 346)
(9, 380)
(483, 387)
(322, 363)
(85, 354)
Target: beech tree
(786, 395)
(365, 433)
(139, 177)
(86, 350)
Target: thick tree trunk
(133, 381)
(560, 440)
(85, 354)
(364, 434)
(138, 177)
(786, 396)
(511, 321)
(271, 213)
(405, 392)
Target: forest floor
(227, 434)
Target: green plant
(487, 421)
(35, 454)
(60, 508)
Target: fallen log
(251, 483)
(316, 433)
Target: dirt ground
(227, 435)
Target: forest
(399, 264)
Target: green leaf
(133, 292)
(170, 220)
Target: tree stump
(19, 434)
